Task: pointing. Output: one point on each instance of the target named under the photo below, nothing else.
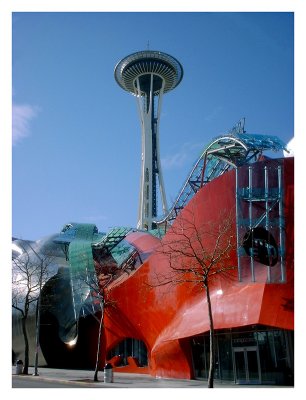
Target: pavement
(79, 378)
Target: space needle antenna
(148, 75)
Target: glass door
(247, 368)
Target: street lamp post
(37, 325)
(37, 337)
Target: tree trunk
(99, 343)
(37, 335)
(211, 373)
(26, 346)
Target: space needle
(148, 75)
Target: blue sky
(76, 133)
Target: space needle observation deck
(148, 75)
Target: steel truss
(260, 222)
(225, 152)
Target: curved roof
(223, 153)
(148, 62)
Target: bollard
(108, 373)
(19, 367)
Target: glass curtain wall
(258, 356)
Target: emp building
(148, 75)
(235, 208)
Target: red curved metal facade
(253, 312)
(164, 318)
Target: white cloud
(186, 154)
(22, 115)
(214, 113)
(290, 147)
(174, 160)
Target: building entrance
(257, 355)
(246, 364)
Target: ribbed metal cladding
(148, 62)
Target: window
(130, 347)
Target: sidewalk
(121, 380)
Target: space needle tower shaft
(148, 75)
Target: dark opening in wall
(261, 245)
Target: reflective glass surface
(256, 356)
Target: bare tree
(197, 252)
(98, 294)
(95, 303)
(30, 272)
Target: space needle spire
(148, 75)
